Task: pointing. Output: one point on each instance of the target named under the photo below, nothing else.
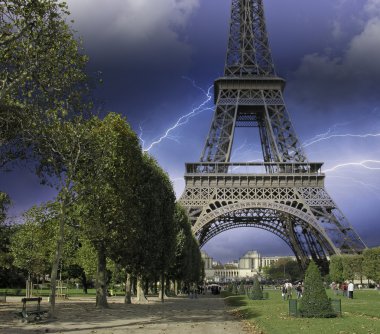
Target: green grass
(360, 315)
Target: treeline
(349, 267)
(115, 204)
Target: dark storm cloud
(324, 78)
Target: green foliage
(257, 293)
(284, 268)
(32, 246)
(42, 74)
(234, 289)
(314, 302)
(241, 289)
(371, 263)
(86, 257)
(336, 269)
(352, 266)
(4, 205)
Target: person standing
(350, 290)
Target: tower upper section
(248, 52)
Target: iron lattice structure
(284, 194)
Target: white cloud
(132, 24)
(372, 7)
(346, 75)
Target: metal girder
(285, 193)
(248, 52)
(252, 106)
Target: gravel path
(206, 314)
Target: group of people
(347, 289)
(286, 290)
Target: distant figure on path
(299, 290)
(283, 291)
(289, 288)
(350, 290)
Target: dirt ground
(206, 314)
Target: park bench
(37, 312)
(3, 297)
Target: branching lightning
(365, 164)
(183, 119)
(325, 136)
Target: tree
(371, 263)
(241, 288)
(257, 293)
(32, 245)
(352, 266)
(284, 268)
(105, 185)
(152, 241)
(41, 74)
(4, 205)
(314, 302)
(179, 269)
(9, 275)
(43, 95)
(336, 269)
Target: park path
(206, 314)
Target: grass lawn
(360, 315)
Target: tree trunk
(140, 291)
(128, 288)
(162, 292)
(58, 253)
(84, 282)
(101, 279)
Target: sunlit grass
(360, 315)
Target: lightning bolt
(183, 119)
(323, 137)
(363, 164)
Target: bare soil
(205, 314)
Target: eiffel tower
(285, 193)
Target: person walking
(299, 290)
(283, 292)
(350, 290)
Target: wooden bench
(37, 312)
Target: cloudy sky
(159, 58)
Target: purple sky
(328, 51)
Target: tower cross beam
(284, 194)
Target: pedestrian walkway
(205, 314)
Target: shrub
(314, 302)
(241, 289)
(234, 289)
(257, 293)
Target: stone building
(248, 266)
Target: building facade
(247, 267)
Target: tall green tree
(105, 186)
(43, 95)
(284, 268)
(32, 245)
(185, 265)
(336, 269)
(371, 264)
(352, 266)
(41, 73)
(314, 302)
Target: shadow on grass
(244, 308)
(236, 301)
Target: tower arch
(285, 188)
